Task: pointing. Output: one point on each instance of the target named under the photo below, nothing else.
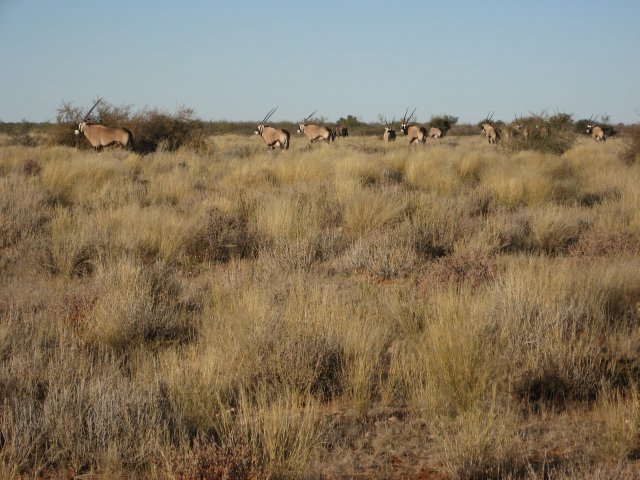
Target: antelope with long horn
(273, 137)
(389, 134)
(416, 133)
(340, 131)
(315, 132)
(596, 132)
(490, 131)
(436, 132)
(100, 136)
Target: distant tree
(443, 122)
(561, 121)
(68, 114)
(350, 121)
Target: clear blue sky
(234, 60)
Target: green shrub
(541, 134)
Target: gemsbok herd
(100, 136)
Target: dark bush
(561, 121)
(155, 129)
(443, 122)
(152, 129)
(62, 132)
(22, 134)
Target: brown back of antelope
(341, 131)
(316, 132)
(435, 132)
(415, 133)
(597, 133)
(491, 132)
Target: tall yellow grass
(262, 314)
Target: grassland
(361, 310)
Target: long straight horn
(94, 106)
(411, 116)
(312, 113)
(268, 115)
(404, 117)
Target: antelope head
(302, 124)
(406, 120)
(80, 128)
(260, 127)
(591, 124)
(389, 126)
(487, 123)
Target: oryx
(273, 137)
(315, 132)
(389, 134)
(490, 131)
(100, 136)
(435, 132)
(415, 133)
(518, 128)
(596, 132)
(341, 131)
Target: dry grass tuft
(368, 211)
(474, 268)
(483, 445)
(619, 418)
(206, 459)
(383, 255)
(597, 243)
(138, 305)
(219, 236)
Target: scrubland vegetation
(360, 310)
